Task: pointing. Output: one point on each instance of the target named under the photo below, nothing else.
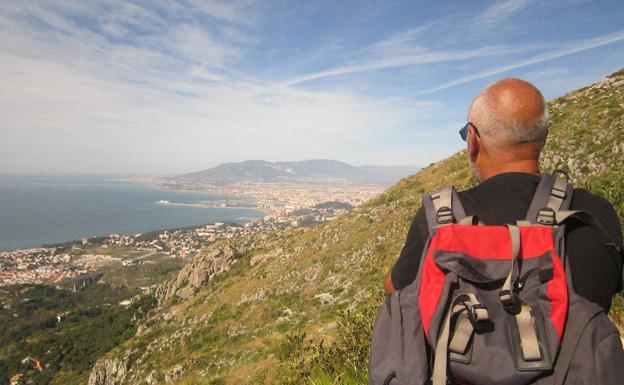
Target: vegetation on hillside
(54, 336)
(64, 332)
(156, 269)
(593, 116)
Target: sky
(167, 87)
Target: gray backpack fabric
(495, 304)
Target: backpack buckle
(546, 216)
(444, 215)
(510, 301)
(478, 312)
(558, 193)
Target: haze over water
(43, 210)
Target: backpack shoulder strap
(552, 195)
(443, 207)
(551, 206)
(588, 219)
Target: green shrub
(610, 185)
(344, 362)
(89, 328)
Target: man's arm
(406, 267)
(596, 270)
(388, 286)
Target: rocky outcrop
(196, 273)
(111, 371)
(173, 374)
(152, 378)
(212, 261)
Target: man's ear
(474, 146)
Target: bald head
(509, 113)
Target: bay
(38, 210)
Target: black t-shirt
(505, 198)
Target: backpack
(495, 304)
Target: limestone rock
(152, 378)
(109, 371)
(173, 374)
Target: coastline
(94, 208)
(179, 231)
(38, 211)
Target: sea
(40, 210)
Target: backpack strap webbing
(551, 195)
(443, 207)
(456, 340)
(529, 340)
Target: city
(55, 264)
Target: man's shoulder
(600, 208)
(583, 199)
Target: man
(508, 124)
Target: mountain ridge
(311, 170)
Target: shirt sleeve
(595, 266)
(406, 267)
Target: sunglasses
(464, 131)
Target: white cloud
(131, 88)
(401, 43)
(163, 51)
(74, 101)
(195, 44)
(554, 81)
(500, 11)
(424, 57)
(230, 11)
(568, 49)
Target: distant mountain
(310, 171)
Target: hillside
(237, 313)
